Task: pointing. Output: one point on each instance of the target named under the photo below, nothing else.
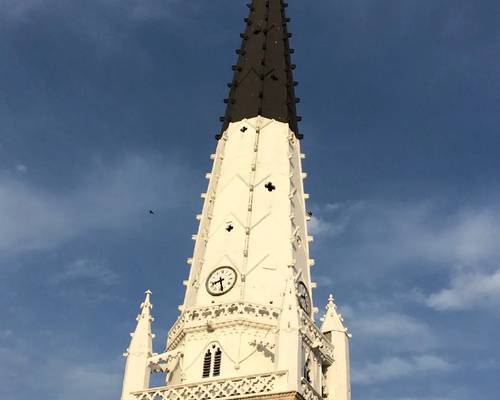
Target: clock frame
(224, 273)
(304, 298)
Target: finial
(331, 302)
(147, 301)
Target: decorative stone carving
(197, 317)
(316, 339)
(308, 392)
(165, 362)
(218, 389)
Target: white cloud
(333, 206)
(394, 368)
(488, 364)
(386, 236)
(12, 363)
(324, 280)
(381, 240)
(372, 325)
(57, 378)
(332, 219)
(153, 9)
(84, 381)
(60, 374)
(319, 226)
(86, 269)
(391, 325)
(109, 197)
(21, 168)
(15, 9)
(468, 291)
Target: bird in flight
(151, 212)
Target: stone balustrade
(250, 385)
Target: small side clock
(304, 298)
(221, 281)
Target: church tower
(247, 327)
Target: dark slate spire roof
(263, 81)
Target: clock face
(221, 281)
(304, 299)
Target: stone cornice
(222, 315)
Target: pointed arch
(307, 370)
(212, 361)
(207, 364)
(217, 362)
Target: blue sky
(108, 108)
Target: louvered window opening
(212, 362)
(217, 362)
(207, 361)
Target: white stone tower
(246, 327)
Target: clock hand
(220, 282)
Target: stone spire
(137, 371)
(332, 321)
(263, 80)
(246, 328)
(337, 384)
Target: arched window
(207, 362)
(217, 361)
(212, 362)
(307, 370)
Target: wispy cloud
(319, 226)
(392, 330)
(88, 270)
(157, 9)
(379, 239)
(64, 373)
(392, 368)
(21, 168)
(15, 9)
(83, 381)
(108, 197)
(87, 281)
(135, 9)
(388, 328)
(78, 380)
(333, 218)
(468, 291)
(398, 233)
(407, 257)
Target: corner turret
(137, 370)
(337, 377)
